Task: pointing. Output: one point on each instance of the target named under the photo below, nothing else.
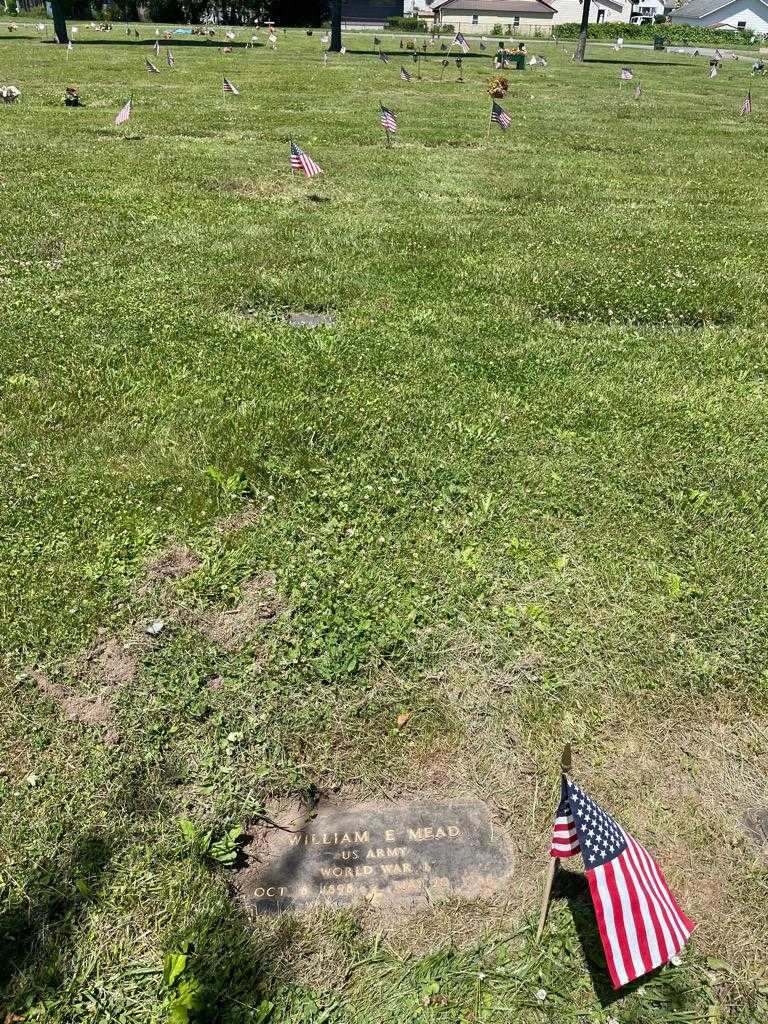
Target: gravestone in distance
(756, 826)
(311, 319)
(385, 854)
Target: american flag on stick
(388, 119)
(638, 91)
(626, 75)
(157, 47)
(151, 68)
(301, 161)
(228, 87)
(640, 923)
(125, 113)
(406, 75)
(712, 70)
(459, 40)
(746, 106)
(500, 116)
(384, 56)
(171, 59)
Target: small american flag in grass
(171, 59)
(640, 923)
(157, 47)
(500, 116)
(626, 75)
(151, 68)
(125, 113)
(384, 56)
(459, 40)
(301, 161)
(713, 70)
(746, 106)
(228, 87)
(405, 75)
(388, 119)
(638, 91)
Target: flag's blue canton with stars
(640, 923)
(600, 838)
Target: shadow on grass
(632, 63)
(38, 924)
(178, 42)
(230, 970)
(573, 888)
(405, 55)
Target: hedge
(407, 24)
(673, 35)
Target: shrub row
(407, 24)
(673, 35)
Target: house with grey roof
(530, 16)
(751, 15)
(481, 15)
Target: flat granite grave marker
(311, 319)
(756, 825)
(385, 854)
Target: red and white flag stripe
(641, 926)
(125, 113)
(565, 842)
(301, 161)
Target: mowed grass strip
(517, 490)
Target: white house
(600, 11)
(751, 15)
(531, 15)
(645, 11)
(481, 15)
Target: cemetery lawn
(515, 495)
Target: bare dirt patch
(260, 603)
(248, 515)
(110, 662)
(83, 708)
(174, 563)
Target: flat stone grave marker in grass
(756, 825)
(311, 319)
(385, 854)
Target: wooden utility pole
(59, 22)
(336, 6)
(582, 43)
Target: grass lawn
(517, 490)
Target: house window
(741, 24)
(600, 15)
(516, 21)
(475, 19)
